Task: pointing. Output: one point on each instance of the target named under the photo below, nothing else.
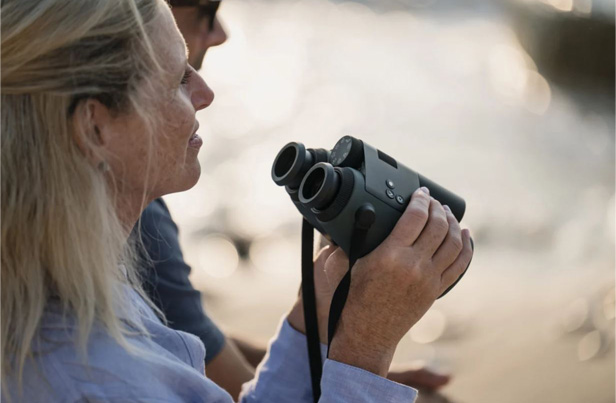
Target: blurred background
(508, 103)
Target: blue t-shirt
(166, 279)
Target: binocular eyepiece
(320, 186)
(293, 161)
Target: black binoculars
(353, 184)
(353, 194)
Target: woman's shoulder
(156, 369)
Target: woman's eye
(186, 77)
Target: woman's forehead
(168, 42)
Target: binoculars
(352, 185)
(354, 195)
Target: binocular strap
(309, 299)
(310, 309)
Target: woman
(98, 119)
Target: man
(229, 362)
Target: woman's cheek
(183, 113)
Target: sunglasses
(207, 8)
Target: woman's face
(172, 164)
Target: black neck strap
(337, 304)
(310, 309)
(342, 291)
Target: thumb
(323, 254)
(336, 266)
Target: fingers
(320, 277)
(323, 254)
(413, 220)
(451, 274)
(434, 232)
(451, 246)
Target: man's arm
(252, 353)
(230, 369)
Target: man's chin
(197, 61)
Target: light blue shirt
(169, 367)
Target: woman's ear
(92, 130)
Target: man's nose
(217, 34)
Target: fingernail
(447, 209)
(425, 190)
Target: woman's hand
(394, 285)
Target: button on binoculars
(353, 186)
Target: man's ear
(92, 130)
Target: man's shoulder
(158, 207)
(157, 225)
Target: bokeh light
(217, 258)
(590, 345)
(429, 328)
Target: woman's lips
(195, 141)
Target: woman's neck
(129, 209)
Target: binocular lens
(313, 184)
(285, 161)
(320, 186)
(290, 165)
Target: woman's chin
(185, 180)
(193, 173)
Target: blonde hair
(61, 235)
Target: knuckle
(418, 213)
(453, 223)
(384, 256)
(457, 244)
(416, 265)
(421, 200)
(390, 259)
(413, 274)
(440, 223)
(467, 255)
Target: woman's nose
(202, 96)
